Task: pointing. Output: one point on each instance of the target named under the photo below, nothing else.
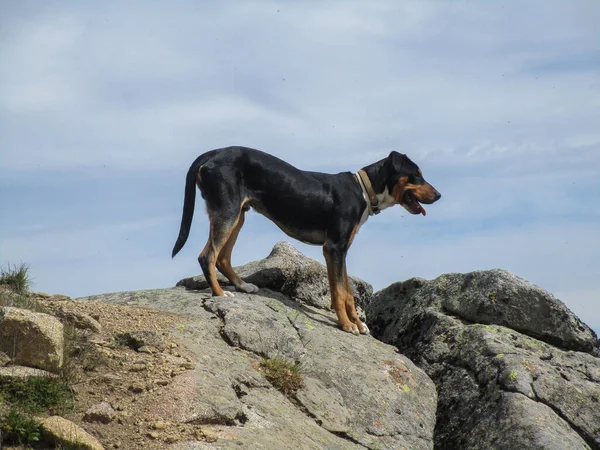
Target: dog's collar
(367, 188)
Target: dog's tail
(189, 202)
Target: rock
(159, 425)
(4, 359)
(501, 298)
(209, 436)
(102, 412)
(215, 400)
(137, 387)
(139, 367)
(288, 271)
(142, 340)
(21, 372)
(497, 387)
(360, 392)
(326, 405)
(32, 339)
(79, 320)
(67, 434)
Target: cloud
(430, 78)
(584, 303)
(39, 245)
(560, 257)
(102, 109)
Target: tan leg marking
(224, 259)
(351, 306)
(216, 241)
(338, 296)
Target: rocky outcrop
(31, 339)
(67, 434)
(514, 368)
(78, 320)
(357, 392)
(288, 271)
(20, 373)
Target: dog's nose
(437, 196)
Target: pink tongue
(422, 210)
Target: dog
(312, 207)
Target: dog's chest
(363, 219)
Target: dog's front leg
(335, 256)
(351, 306)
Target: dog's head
(407, 185)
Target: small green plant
(37, 394)
(16, 278)
(20, 429)
(284, 376)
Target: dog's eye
(416, 179)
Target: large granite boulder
(358, 392)
(31, 339)
(66, 434)
(288, 271)
(514, 368)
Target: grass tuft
(37, 394)
(16, 278)
(20, 429)
(283, 375)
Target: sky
(104, 105)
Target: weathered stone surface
(360, 393)
(102, 412)
(31, 339)
(288, 271)
(79, 320)
(66, 433)
(4, 359)
(144, 338)
(21, 372)
(502, 298)
(326, 405)
(498, 388)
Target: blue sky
(104, 105)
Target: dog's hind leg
(221, 228)
(224, 259)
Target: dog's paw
(227, 294)
(351, 328)
(248, 288)
(365, 329)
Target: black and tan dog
(315, 208)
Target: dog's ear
(396, 161)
